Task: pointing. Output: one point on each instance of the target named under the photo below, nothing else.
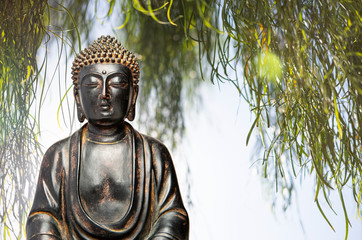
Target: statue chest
(105, 180)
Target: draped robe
(156, 208)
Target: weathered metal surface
(107, 181)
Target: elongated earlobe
(132, 110)
(80, 114)
(131, 113)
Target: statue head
(105, 77)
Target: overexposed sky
(229, 198)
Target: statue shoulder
(57, 146)
(61, 145)
(157, 146)
(57, 155)
(161, 158)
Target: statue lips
(105, 107)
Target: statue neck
(106, 134)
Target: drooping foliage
(302, 78)
(21, 32)
(297, 63)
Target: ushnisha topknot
(105, 50)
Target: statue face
(105, 93)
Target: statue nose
(105, 91)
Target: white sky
(229, 198)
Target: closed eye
(91, 81)
(118, 82)
(91, 84)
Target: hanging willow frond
(302, 78)
(21, 33)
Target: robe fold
(156, 209)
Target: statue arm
(44, 221)
(172, 221)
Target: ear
(80, 113)
(132, 110)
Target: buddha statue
(107, 181)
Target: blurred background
(259, 104)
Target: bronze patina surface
(107, 181)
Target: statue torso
(106, 179)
